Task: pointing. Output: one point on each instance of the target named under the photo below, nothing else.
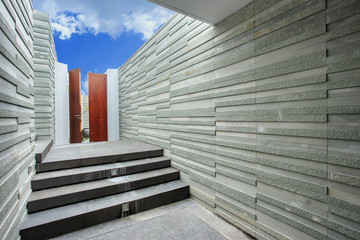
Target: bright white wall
(61, 104)
(113, 104)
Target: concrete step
(84, 174)
(81, 155)
(61, 220)
(42, 147)
(60, 196)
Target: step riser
(71, 224)
(91, 176)
(67, 164)
(47, 203)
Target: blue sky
(97, 35)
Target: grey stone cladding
(17, 132)
(44, 72)
(261, 113)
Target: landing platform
(87, 154)
(96, 149)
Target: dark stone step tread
(60, 196)
(83, 174)
(61, 220)
(90, 161)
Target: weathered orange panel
(75, 105)
(98, 107)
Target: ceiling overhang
(209, 11)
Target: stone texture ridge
(84, 111)
(17, 133)
(260, 113)
(44, 72)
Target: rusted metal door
(98, 107)
(75, 105)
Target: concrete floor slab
(181, 220)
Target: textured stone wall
(44, 71)
(260, 112)
(17, 133)
(85, 111)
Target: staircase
(78, 186)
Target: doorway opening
(97, 129)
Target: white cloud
(112, 17)
(145, 22)
(67, 25)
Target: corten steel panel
(75, 105)
(98, 107)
